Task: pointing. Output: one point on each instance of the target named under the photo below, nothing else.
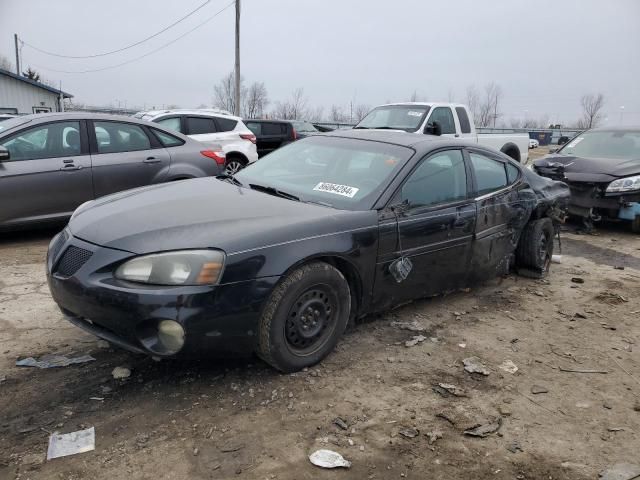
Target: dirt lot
(241, 419)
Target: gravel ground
(374, 400)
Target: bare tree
(5, 63)
(336, 114)
(224, 93)
(32, 74)
(473, 103)
(488, 109)
(201, 106)
(591, 110)
(451, 97)
(294, 108)
(361, 111)
(256, 100)
(316, 114)
(415, 97)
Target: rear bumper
(216, 319)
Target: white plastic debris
(51, 361)
(62, 445)
(121, 372)
(556, 258)
(474, 365)
(328, 459)
(508, 366)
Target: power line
(141, 56)
(120, 49)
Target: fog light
(171, 335)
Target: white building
(20, 95)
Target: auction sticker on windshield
(344, 190)
(414, 114)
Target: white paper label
(344, 190)
(414, 114)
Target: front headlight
(627, 184)
(186, 267)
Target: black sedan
(602, 168)
(280, 258)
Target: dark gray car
(51, 163)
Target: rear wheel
(304, 317)
(535, 249)
(233, 165)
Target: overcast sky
(544, 54)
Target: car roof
(422, 104)
(262, 120)
(196, 111)
(404, 139)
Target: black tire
(304, 317)
(635, 224)
(234, 164)
(535, 248)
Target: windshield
(13, 122)
(304, 127)
(396, 117)
(342, 173)
(623, 144)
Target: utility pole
(15, 39)
(237, 90)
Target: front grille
(58, 244)
(71, 261)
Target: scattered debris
(508, 366)
(3, 378)
(341, 423)
(537, 389)
(53, 361)
(611, 298)
(619, 267)
(484, 430)
(514, 447)
(328, 459)
(583, 405)
(615, 429)
(556, 258)
(474, 365)
(620, 471)
(409, 432)
(446, 417)
(434, 436)
(62, 445)
(415, 340)
(580, 315)
(414, 326)
(462, 345)
(577, 280)
(121, 372)
(445, 389)
(231, 447)
(577, 370)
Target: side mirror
(4, 154)
(553, 150)
(433, 128)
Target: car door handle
(71, 167)
(151, 160)
(457, 135)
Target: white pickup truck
(446, 119)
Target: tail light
(294, 133)
(219, 157)
(248, 136)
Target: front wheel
(535, 248)
(304, 317)
(233, 165)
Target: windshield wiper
(227, 176)
(274, 191)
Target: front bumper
(216, 319)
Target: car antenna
(401, 267)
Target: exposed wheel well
(237, 156)
(511, 150)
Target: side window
(113, 137)
(512, 173)
(172, 123)
(52, 140)
(465, 125)
(490, 174)
(270, 128)
(225, 124)
(440, 178)
(167, 140)
(444, 117)
(200, 125)
(256, 128)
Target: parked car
(533, 143)
(279, 258)
(211, 126)
(51, 163)
(602, 168)
(273, 134)
(6, 116)
(445, 119)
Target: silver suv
(211, 126)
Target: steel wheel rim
(311, 320)
(233, 167)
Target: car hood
(205, 213)
(589, 169)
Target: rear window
(226, 124)
(256, 128)
(270, 128)
(166, 139)
(200, 125)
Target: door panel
(124, 158)
(48, 174)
